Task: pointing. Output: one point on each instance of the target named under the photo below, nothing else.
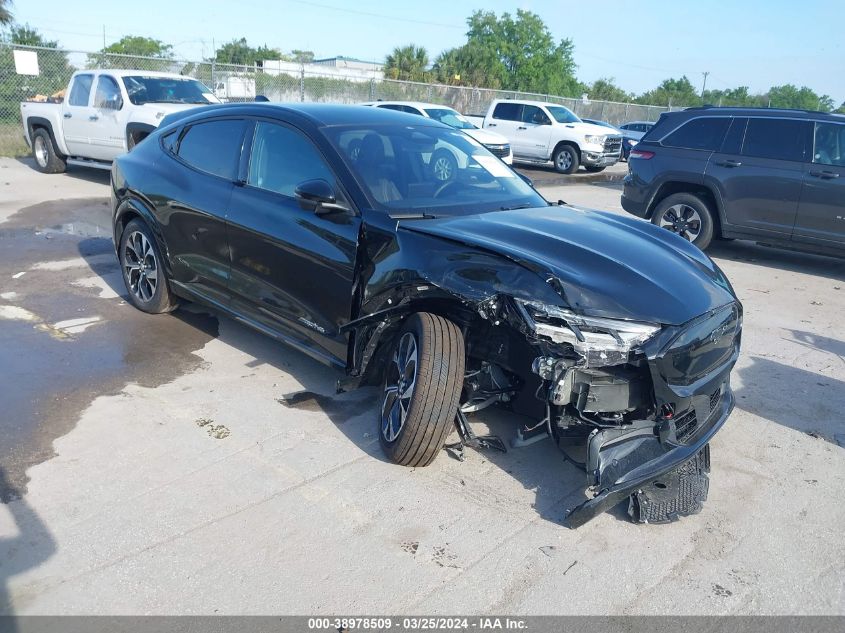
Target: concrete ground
(149, 468)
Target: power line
(385, 16)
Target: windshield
(429, 170)
(167, 90)
(562, 115)
(450, 117)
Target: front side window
(534, 115)
(829, 144)
(779, 139)
(80, 90)
(155, 89)
(107, 94)
(562, 115)
(703, 134)
(283, 158)
(507, 111)
(213, 146)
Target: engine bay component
(618, 389)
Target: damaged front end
(635, 403)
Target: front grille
(499, 150)
(686, 424)
(612, 144)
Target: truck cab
(542, 132)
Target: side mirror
(318, 195)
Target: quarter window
(829, 144)
(704, 134)
(214, 146)
(780, 139)
(80, 90)
(507, 111)
(282, 158)
(107, 94)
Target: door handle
(68, 115)
(491, 125)
(93, 117)
(728, 163)
(827, 175)
(522, 127)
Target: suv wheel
(143, 273)
(687, 215)
(566, 159)
(421, 389)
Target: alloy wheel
(564, 161)
(41, 154)
(140, 266)
(443, 169)
(683, 220)
(399, 386)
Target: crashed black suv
(326, 228)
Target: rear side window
(780, 139)
(507, 111)
(734, 137)
(704, 134)
(213, 147)
(80, 90)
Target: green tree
(607, 90)
(469, 65)
(127, 51)
(142, 46)
(840, 109)
(803, 98)
(675, 92)
(241, 53)
(409, 63)
(5, 13)
(302, 57)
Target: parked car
(774, 176)
(631, 134)
(602, 123)
(540, 132)
(106, 113)
(445, 164)
(613, 336)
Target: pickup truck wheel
(444, 167)
(47, 159)
(566, 159)
(687, 215)
(421, 389)
(143, 272)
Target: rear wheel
(566, 159)
(421, 389)
(143, 273)
(47, 158)
(687, 215)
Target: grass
(11, 139)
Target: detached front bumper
(599, 159)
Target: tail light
(640, 153)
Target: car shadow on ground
(783, 259)
(91, 174)
(32, 545)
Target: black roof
(761, 112)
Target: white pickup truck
(540, 132)
(104, 114)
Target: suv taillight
(640, 153)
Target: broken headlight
(600, 341)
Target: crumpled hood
(606, 264)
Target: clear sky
(757, 43)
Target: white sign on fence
(26, 62)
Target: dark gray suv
(773, 176)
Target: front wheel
(143, 272)
(47, 158)
(421, 389)
(686, 215)
(444, 167)
(566, 159)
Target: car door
(292, 269)
(76, 111)
(193, 203)
(108, 130)
(759, 173)
(507, 117)
(821, 211)
(533, 134)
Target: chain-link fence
(279, 81)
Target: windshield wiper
(527, 205)
(412, 216)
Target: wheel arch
(138, 131)
(133, 208)
(560, 144)
(34, 123)
(701, 190)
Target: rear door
(76, 111)
(759, 173)
(821, 212)
(292, 270)
(108, 130)
(532, 136)
(192, 211)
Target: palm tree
(5, 13)
(407, 62)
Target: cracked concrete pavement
(136, 501)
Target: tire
(421, 389)
(142, 267)
(686, 215)
(594, 169)
(444, 167)
(679, 493)
(566, 159)
(47, 158)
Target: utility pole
(704, 85)
(104, 37)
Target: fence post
(302, 82)
(373, 89)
